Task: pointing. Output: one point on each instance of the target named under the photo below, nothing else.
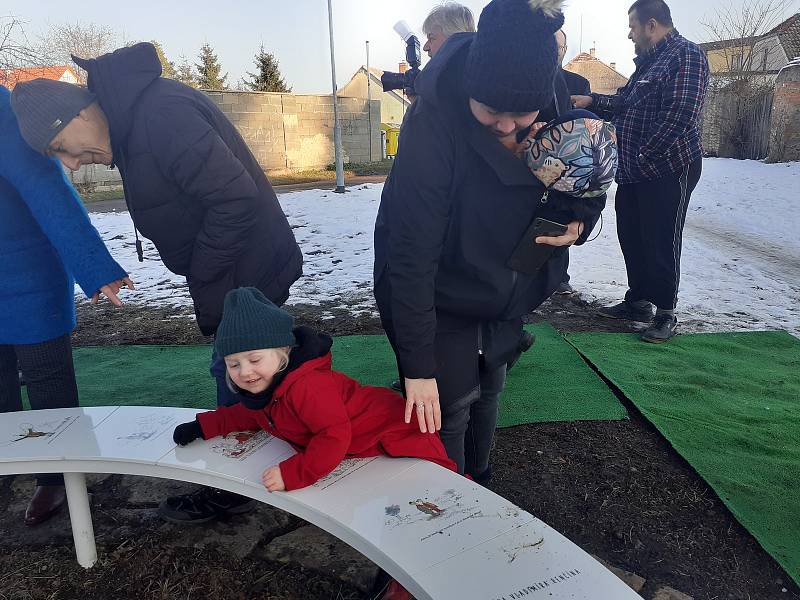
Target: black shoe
(627, 311)
(526, 340)
(395, 385)
(663, 328)
(204, 505)
(564, 289)
(483, 478)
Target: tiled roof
(12, 77)
(789, 35)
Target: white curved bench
(439, 534)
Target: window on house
(736, 62)
(764, 59)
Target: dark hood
(442, 77)
(310, 344)
(118, 80)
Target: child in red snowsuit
(288, 389)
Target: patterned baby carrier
(575, 154)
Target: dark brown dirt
(618, 489)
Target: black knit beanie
(513, 59)
(251, 322)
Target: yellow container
(392, 137)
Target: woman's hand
(581, 101)
(422, 397)
(574, 231)
(273, 480)
(110, 290)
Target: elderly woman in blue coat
(47, 243)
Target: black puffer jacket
(192, 185)
(453, 209)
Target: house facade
(603, 78)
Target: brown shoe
(46, 501)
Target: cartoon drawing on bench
(240, 444)
(147, 427)
(34, 431)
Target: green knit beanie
(251, 322)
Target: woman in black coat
(454, 207)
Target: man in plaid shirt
(657, 116)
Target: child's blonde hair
(283, 355)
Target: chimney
(613, 65)
(592, 52)
(403, 67)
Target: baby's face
(253, 371)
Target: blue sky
(296, 31)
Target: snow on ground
(741, 254)
(740, 266)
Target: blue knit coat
(46, 242)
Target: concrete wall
(284, 132)
(95, 177)
(292, 132)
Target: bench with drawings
(439, 534)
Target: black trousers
(469, 397)
(50, 379)
(650, 218)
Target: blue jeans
(225, 396)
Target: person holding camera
(454, 208)
(444, 20)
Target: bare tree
(86, 40)
(15, 49)
(743, 68)
(738, 31)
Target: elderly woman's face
(501, 124)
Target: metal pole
(369, 103)
(337, 130)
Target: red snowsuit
(327, 416)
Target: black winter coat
(453, 209)
(576, 84)
(192, 185)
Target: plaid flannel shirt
(657, 114)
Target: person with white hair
(444, 20)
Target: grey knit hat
(251, 322)
(44, 107)
(512, 61)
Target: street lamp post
(337, 129)
(369, 103)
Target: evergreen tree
(268, 78)
(209, 70)
(184, 72)
(167, 67)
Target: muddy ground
(615, 488)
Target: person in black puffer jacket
(453, 209)
(192, 185)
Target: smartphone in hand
(528, 257)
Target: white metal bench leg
(81, 518)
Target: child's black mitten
(187, 432)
